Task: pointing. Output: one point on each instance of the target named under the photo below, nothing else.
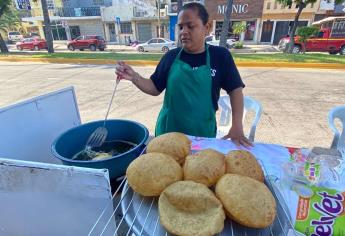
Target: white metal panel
(47, 199)
(27, 129)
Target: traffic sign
(117, 20)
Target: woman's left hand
(237, 136)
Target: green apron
(187, 106)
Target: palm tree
(301, 5)
(10, 21)
(4, 7)
(47, 28)
(226, 22)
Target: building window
(161, 32)
(231, 35)
(268, 5)
(98, 2)
(126, 27)
(250, 31)
(275, 4)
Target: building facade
(69, 18)
(123, 21)
(135, 20)
(277, 19)
(244, 11)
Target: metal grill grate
(138, 216)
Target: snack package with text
(322, 214)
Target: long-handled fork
(98, 136)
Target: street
(61, 46)
(295, 101)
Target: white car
(14, 36)
(156, 45)
(211, 40)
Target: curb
(154, 63)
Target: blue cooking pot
(73, 141)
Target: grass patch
(281, 57)
(90, 55)
(255, 57)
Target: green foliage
(238, 45)
(10, 20)
(239, 28)
(290, 2)
(306, 32)
(4, 5)
(297, 2)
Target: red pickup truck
(330, 38)
(92, 42)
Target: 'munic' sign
(236, 8)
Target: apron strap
(208, 63)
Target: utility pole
(179, 7)
(159, 18)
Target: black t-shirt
(223, 70)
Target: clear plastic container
(310, 173)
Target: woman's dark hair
(202, 12)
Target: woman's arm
(236, 131)
(124, 71)
(145, 85)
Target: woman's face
(192, 32)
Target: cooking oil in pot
(107, 150)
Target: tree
(239, 28)
(226, 22)
(305, 33)
(301, 5)
(10, 21)
(47, 27)
(4, 7)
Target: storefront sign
(238, 8)
(327, 5)
(241, 9)
(23, 4)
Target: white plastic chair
(225, 115)
(339, 138)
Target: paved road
(295, 101)
(61, 46)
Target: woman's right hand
(124, 71)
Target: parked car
(156, 44)
(92, 42)
(14, 36)
(32, 35)
(211, 40)
(32, 44)
(329, 39)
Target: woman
(192, 77)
